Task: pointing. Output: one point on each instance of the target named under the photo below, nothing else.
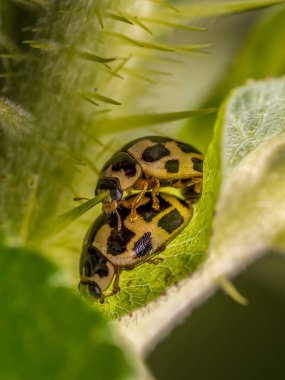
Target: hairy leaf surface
(249, 217)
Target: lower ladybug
(149, 163)
(108, 250)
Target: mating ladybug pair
(134, 228)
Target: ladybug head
(112, 186)
(89, 289)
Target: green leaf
(250, 213)
(70, 216)
(47, 331)
(248, 155)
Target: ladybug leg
(155, 260)
(198, 187)
(154, 192)
(116, 287)
(102, 298)
(119, 219)
(126, 203)
(137, 201)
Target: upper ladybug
(149, 163)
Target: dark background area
(223, 340)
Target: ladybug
(149, 163)
(108, 250)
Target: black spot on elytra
(147, 212)
(118, 240)
(198, 164)
(171, 221)
(155, 153)
(123, 161)
(187, 148)
(143, 246)
(172, 166)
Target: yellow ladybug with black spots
(107, 250)
(146, 164)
